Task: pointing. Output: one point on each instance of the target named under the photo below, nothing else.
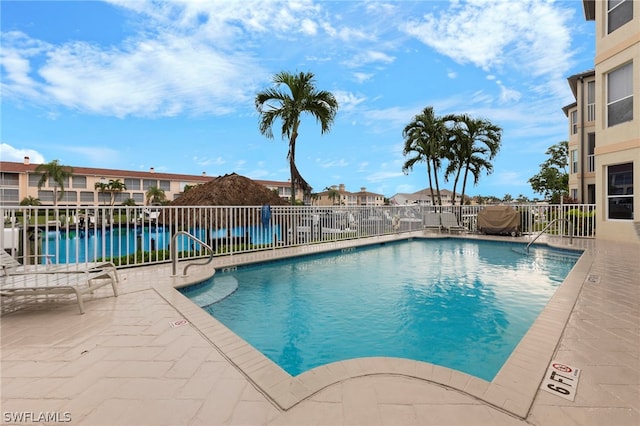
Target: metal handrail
(174, 253)
(549, 225)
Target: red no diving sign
(562, 380)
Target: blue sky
(171, 85)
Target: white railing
(131, 236)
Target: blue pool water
(80, 245)
(457, 303)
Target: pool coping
(512, 390)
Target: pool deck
(133, 360)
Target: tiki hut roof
(229, 190)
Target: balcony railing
(132, 236)
(591, 112)
(591, 163)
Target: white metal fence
(139, 235)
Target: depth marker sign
(561, 380)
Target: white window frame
(616, 7)
(624, 93)
(574, 161)
(574, 122)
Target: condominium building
(423, 197)
(582, 137)
(617, 120)
(20, 180)
(337, 195)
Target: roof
(573, 80)
(15, 167)
(589, 7)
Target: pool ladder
(548, 226)
(174, 253)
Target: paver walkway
(123, 363)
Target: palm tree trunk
(435, 175)
(464, 182)
(433, 200)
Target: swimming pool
(457, 303)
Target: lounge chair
(450, 222)
(29, 285)
(10, 266)
(432, 221)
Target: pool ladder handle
(547, 227)
(174, 253)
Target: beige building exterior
(423, 197)
(617, 118)
(19, 180)
(582, 137)
(339, 196)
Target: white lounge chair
(432, 221)
(21, 288)
(10, 266)
(450, 222)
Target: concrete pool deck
(129, 360)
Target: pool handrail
(547, 227)
(174, 253)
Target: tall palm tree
(476, 143)
(426, 136)
(332, 193)
(155, 195)
(102, 188)
(300, 96)
(56, 173)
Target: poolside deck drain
(593, 279)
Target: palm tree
(477, 142)
(102, 187)
(155, 195)
(332, 193)
(427, 137)
(56, 173)
(115, 187)
(30, 201)
(287, 106)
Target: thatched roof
(229, 190)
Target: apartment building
(20, 180)
(582, 137)
(617, 119)
(423, 197)
(337, 195)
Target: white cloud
(348, 101)
(491, 35)
(361, 77)
(332, 163)
(10, 153)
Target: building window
(45, 196)
(574, 122)
(619, 12)
(591, 149)
(69, 196)
(591, 101)
(132, 184)
(9, 179)
(148, 183)
(620, 95)
(138, 197)
(33, 180)
(574, 161)
(574, 194)
(86, 197)
(78, 181)
(9, 196)
(620, 191)
(165, 185)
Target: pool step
(222, 288)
